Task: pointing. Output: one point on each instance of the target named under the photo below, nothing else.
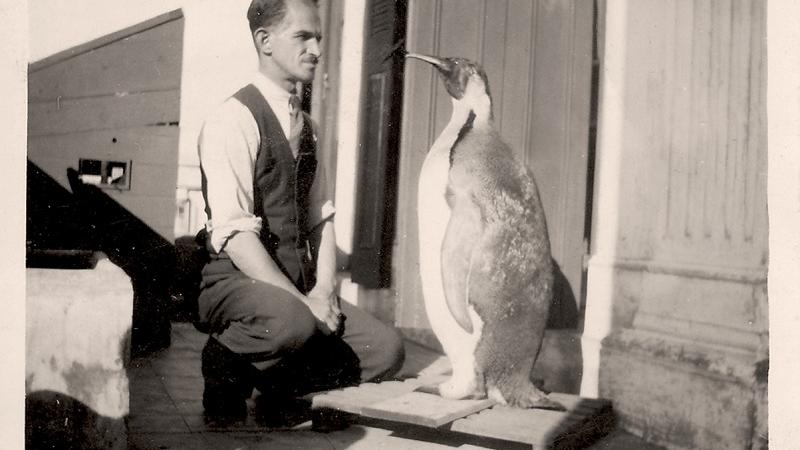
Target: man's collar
(271, 90)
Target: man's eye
(309, 36)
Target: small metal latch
(586, 254)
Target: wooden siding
(538, 59)
(136, 62)
(116, 98)
(103, 112)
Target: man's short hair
(266, 13)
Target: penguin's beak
(438, 63)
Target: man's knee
(296, 325)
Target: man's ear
(261, 37)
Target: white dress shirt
(228, 146)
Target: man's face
(295, 42)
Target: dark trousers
(277, 334)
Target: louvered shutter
(378, 159)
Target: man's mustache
(311, 59)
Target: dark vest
(281, 190)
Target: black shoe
(326, 420)
(279, 411)
(324, 363)
(228, 382)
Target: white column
(348, 122)
(599, 299)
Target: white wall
(218, 59)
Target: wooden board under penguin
(485, 264)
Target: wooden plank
(151, 197)
(493, 48)
(143, 145)
(584, 421)
(147, 61)
(511, 424)
(417, 135)
(147, 180)
(547, 142)
(576, 146)
(513, 107)
(420, 408)
(427, 367)
(355, 399)
(157, 213)
(460, 30)
(97, 113)
(324, 99)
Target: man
(268, 295)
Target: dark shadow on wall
(559, 366)
(88, 219)
(563, 312)
(53, 219)
(57, 421)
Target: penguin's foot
(528, 396)
(457, 388)
(546, 403)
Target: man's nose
(313, 48)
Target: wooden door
(538, 57)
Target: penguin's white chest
(433, 216)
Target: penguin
(485, 263)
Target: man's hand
(325, 307)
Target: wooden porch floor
(166, 411)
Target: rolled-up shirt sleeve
(227, 147)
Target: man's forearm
(324, 291)
(250, 256)
(326, 258)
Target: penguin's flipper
(463, 233)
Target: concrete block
(78, 326)
(679, 393)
